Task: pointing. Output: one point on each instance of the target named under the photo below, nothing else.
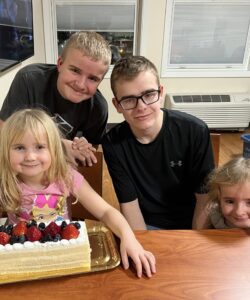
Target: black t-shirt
(165, 174)
(35, 86)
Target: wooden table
(208, 264)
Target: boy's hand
(79, 150)
(84, 151)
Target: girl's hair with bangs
(235, 171)
(12, 131)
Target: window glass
(210, 35)
(206, 34)
(115, 22)
(16, 32)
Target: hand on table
(143, 261)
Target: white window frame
(226, 71)
(50, 24)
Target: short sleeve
(77, 180)
(123, 183)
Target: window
(207, 38)
(115, 20)
(16, 32)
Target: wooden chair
(94, 176)
(215, 139)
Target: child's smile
(235, 204)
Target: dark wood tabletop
(206, 264)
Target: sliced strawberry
(53, 229)
(70, 232)
(20, 228)
(33, 234)
(4, 238)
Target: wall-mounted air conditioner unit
(219, 111)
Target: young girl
(36, 180)
(229, 194)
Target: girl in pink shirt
(36, 180)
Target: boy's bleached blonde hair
(91, 44)
(235, 171)
(129, 68)
(12, 131)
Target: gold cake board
(104, 256)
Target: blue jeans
(150, 227)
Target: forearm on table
(117, 223)
(133, 215)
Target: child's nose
(141, 103)
(240, 209)
(29, 155)
(81, 82)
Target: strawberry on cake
(32, 251)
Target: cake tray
(104, 255)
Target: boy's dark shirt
(35, 86)
(165, 174)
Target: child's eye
(229, 201)
(19, 148)
(75, 70)
(94, 78)
(40, 147)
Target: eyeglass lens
(147, 98)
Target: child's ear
(161, 90)
(116, 105)
(59, 63)
(161, 94)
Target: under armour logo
(177, 163)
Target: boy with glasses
(158, 159)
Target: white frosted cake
(26, 260)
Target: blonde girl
(229, 195)
(34, 171)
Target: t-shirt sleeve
(98, 128)
(77, 180)
(17, 96)
(123, 183)
(203, 161)
(96, 125)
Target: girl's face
(235, 204)
(30, 158)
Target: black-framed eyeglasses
(148, 98)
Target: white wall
(7, 76)
(151, 47)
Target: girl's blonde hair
(12, 131)
(91, 44)
(235, 171)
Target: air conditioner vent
(219, 111)
(201, 98)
